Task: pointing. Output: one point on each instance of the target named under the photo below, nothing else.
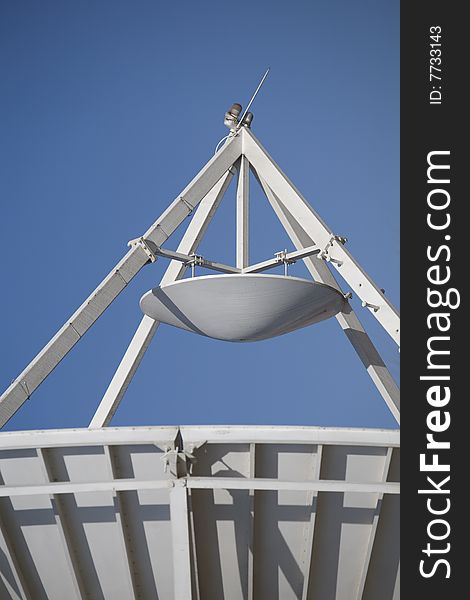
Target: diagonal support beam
(18, 587)
(148, 326)
(125, 372)
(348, 320)
(334, 251)
(198, 226)
(79, 323)
(370, 544)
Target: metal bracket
(282, 257)
(373, 307)
(178, 462)
(324, 254)
(186, 203)
(140, 241)
(196, 260)
(288, 258)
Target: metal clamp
(281, 257)
(195, 261)
(140, 241)
(373, 307)
(333, 260)
(324, 254)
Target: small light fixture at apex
(247, 119)
(231, 116)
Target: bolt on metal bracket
(281, 257)
(197, 260)
(333, 260)
(324, 254)
(186, 203)
(373, 307)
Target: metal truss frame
(314, 241)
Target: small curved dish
(242, 308)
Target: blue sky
(108, 110)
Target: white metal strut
(147, 328)
(333, 250)
(79, 323)
(347, 319)
(315, 243)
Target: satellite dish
(211, 512)
(242, 308)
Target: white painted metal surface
(334, 251)
(243, 214)
(304, 226)
(242, 308)
(209, 512)
(147, 328)
(127, 268)
(347, 318)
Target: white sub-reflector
(242, 308)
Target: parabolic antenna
(242, 308)
(242, 304)
(209, 512)
(194, 512)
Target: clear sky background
(108, 109)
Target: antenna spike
(253, 97)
